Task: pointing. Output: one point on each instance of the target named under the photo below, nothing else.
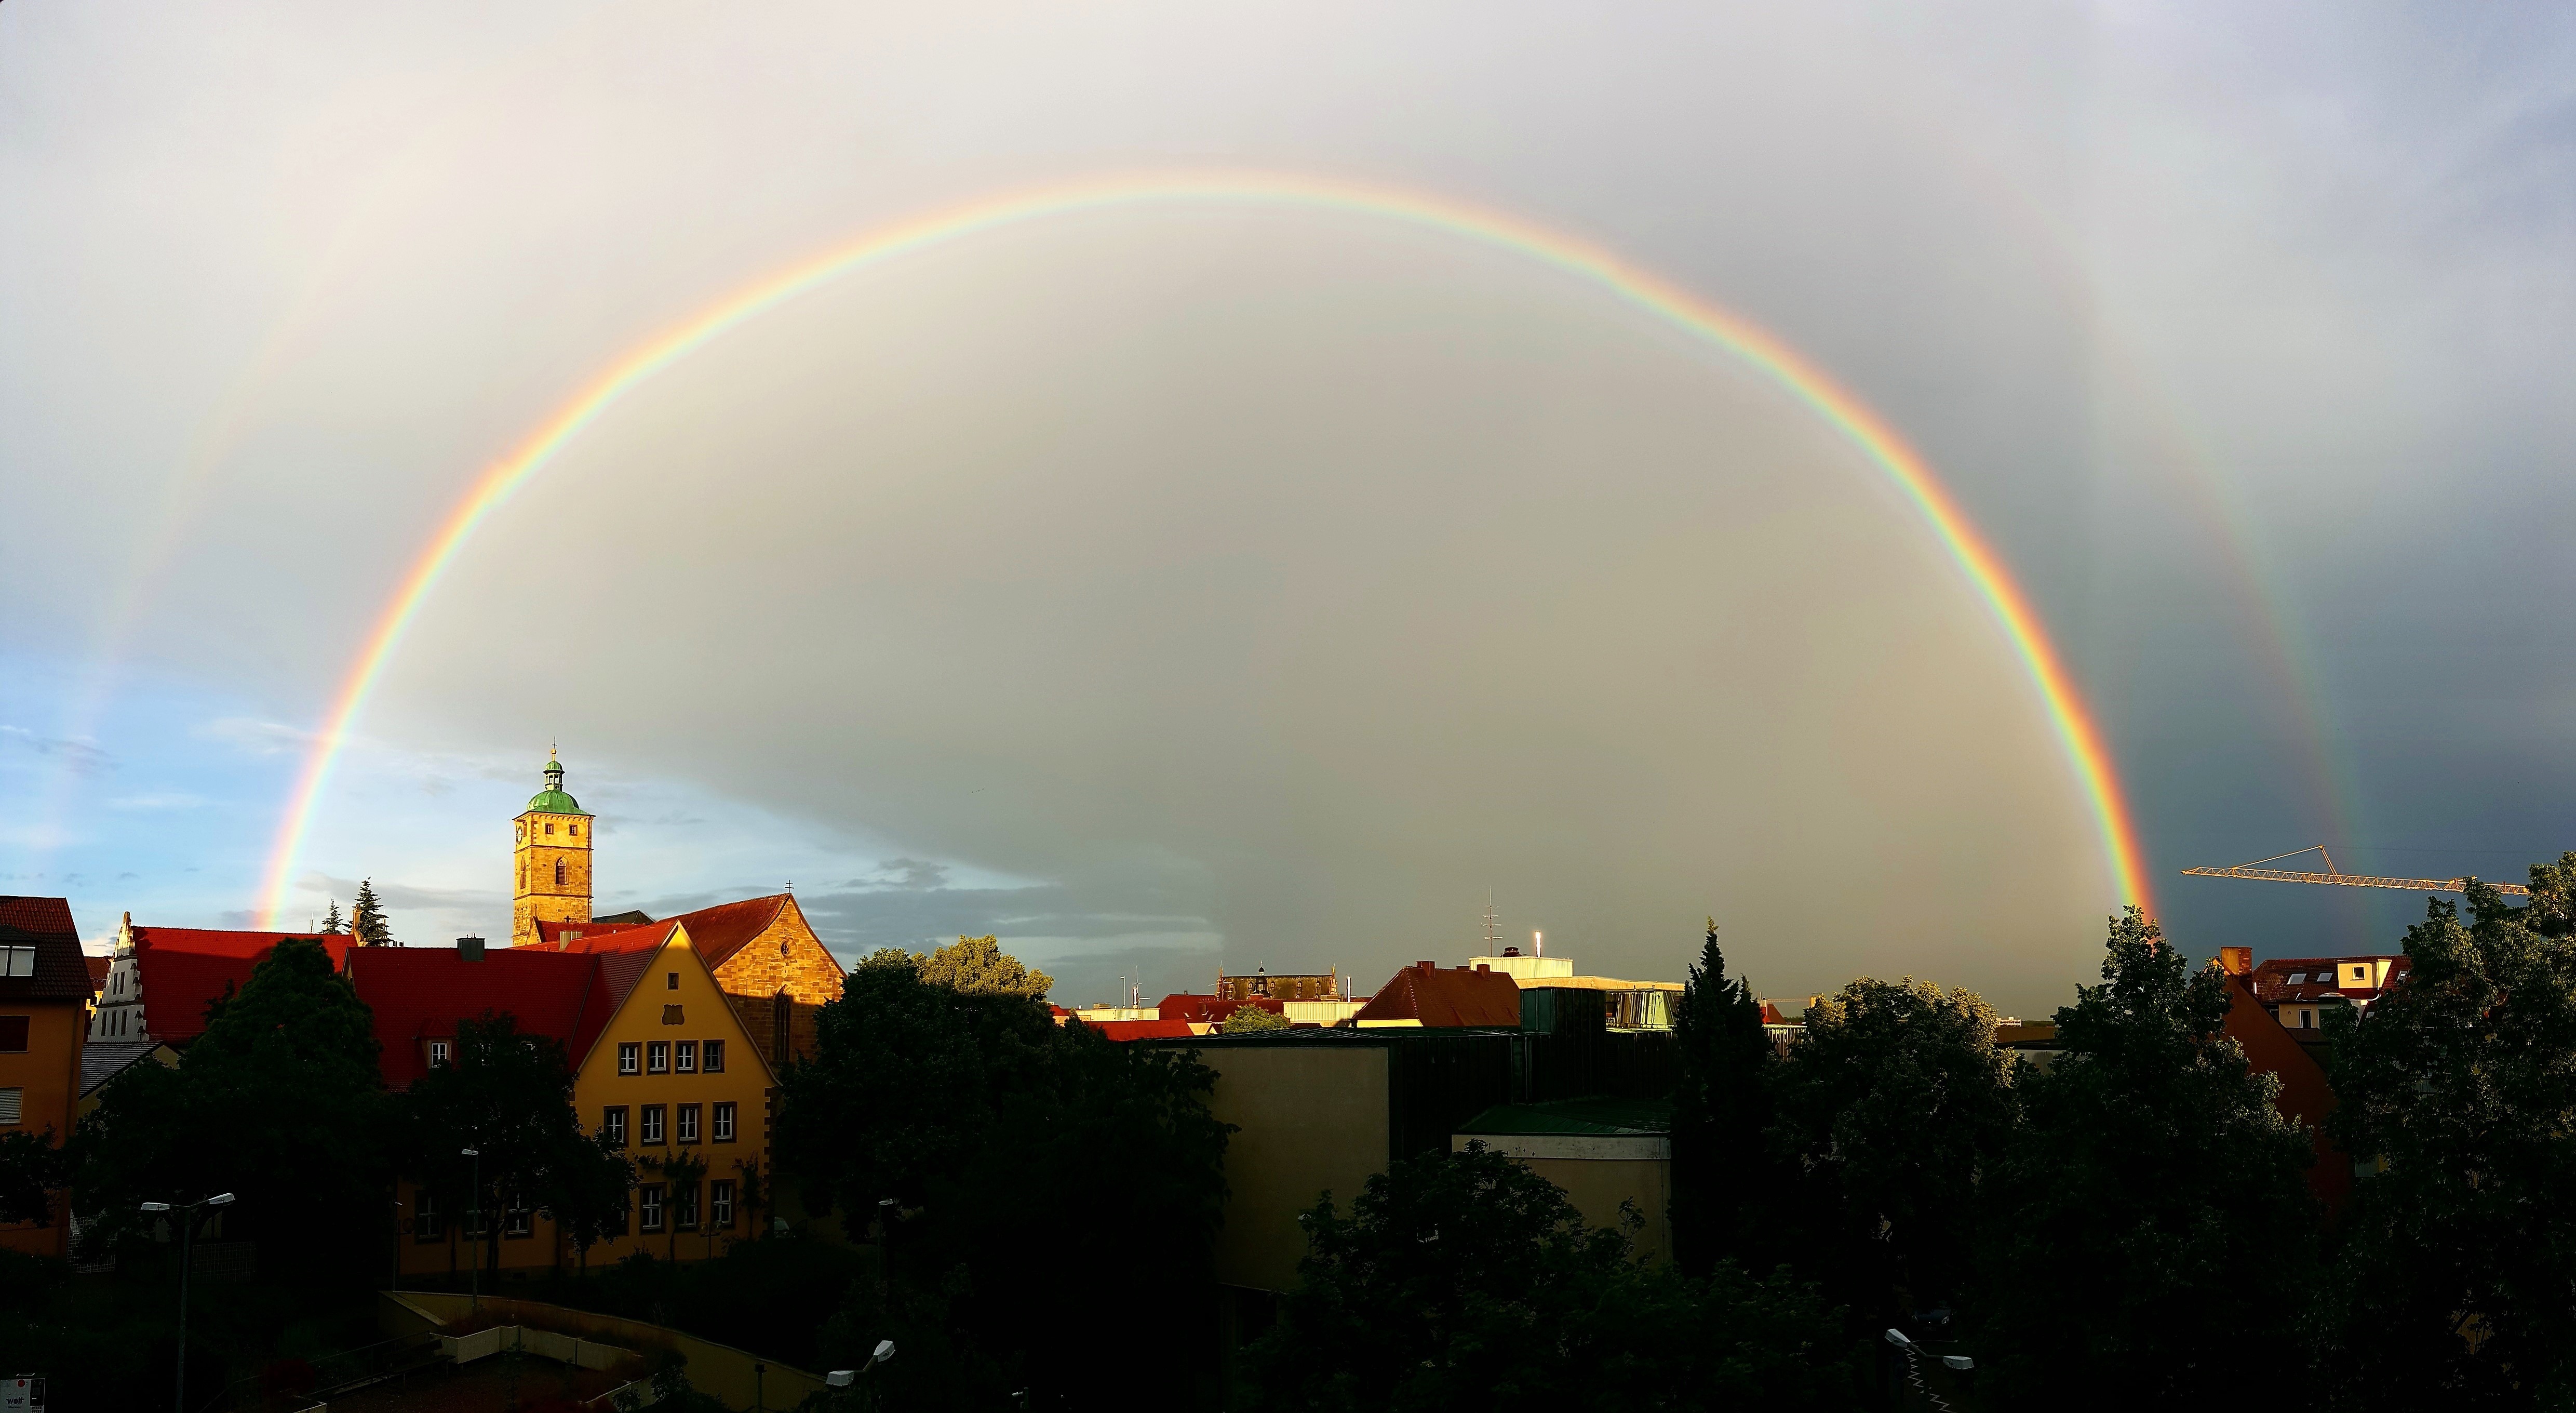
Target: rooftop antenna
(1493, 926)
(1539, 941)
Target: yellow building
(552, 859)
(659, 1060)
(774, 971)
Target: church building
(773, 970)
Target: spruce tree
(1721, 1108)
(367, 918)
(332, 922)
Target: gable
(665, 991)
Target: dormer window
(437, 1053)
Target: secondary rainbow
(2077, 734)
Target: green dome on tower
(552, 799)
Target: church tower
(553, 860)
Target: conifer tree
(367, 918)
(332, 922)
(1721, 1109)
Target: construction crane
(2348, 880)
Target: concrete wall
(1312, 1118)
(718, 1370)
(1598, 1173)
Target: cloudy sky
(1216, 584)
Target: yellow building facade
(551, 860)
(675, 1077)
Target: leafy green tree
(977, 966)
(2151, 1237)
(367, 926)
(1891, 1106)
(1253, 1020)
(997, 1134)
(1722, 1179)
(32, 1168)
(2452, 1283)
(507, 1095)
(1467, 1282)
(280, 1101)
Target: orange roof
(1460, 997)
(717, 932)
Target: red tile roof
(45, 924)
(717, 932)
(1423, 992)
(419, 994)
(2304, 1095)
(98, 969)
(1139, 1029)
(1181, 1006)
(184, 969)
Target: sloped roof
(45, 924)
(103, 1060)
(421, 993)
(1139, 1029)
(2320, 978)
(1460, 997)
(184, 969)
(98, 969)
(717, 932)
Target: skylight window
(2297, 976)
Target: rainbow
(2076, 731)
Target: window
(13, 1035)
(670, 981)
(724, 1124)
(2307, 1020)
(12, 1105)
(648, 1204)
(17, 961)
(550, 827)
(516, 1219)
(684, 1059)
(715, 1057)
(630, 1057)
(671, 1016)
(437, 1053)
(473, 1225)
(559, 873)
(428, 1221)
(720, 1204)
(684, 1206)
(652, 1123)
(2361, 973)
(2297, 976)
(612, 1125)
(688, 1123)
(576, 831)
(657, 1057)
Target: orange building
(774, 971)
(659, 1059)
(44, 1020)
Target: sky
(1216, 584)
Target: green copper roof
(554, 802)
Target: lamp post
(473, 1228)
(187, 1233)
(843, 1378)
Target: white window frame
(720, 1204)
(720, 1129)
(630, 1057)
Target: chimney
(2236, 961)
(1426, 966)
(469, 949)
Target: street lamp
(843, 1378)
(1958, 1363)
(473, 1224)
(187, 1233)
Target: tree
(1721, 1109)
(995, 1134)
(508, 1095)
(32, 1170)
(2151, 1232)
(977, 966)
(280, 1101)
(1891, 1106)
(367, 925)
(1253, 1020)
(1466, 1281)
(2452, 1282)
(332, 922)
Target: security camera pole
(187, 1233)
